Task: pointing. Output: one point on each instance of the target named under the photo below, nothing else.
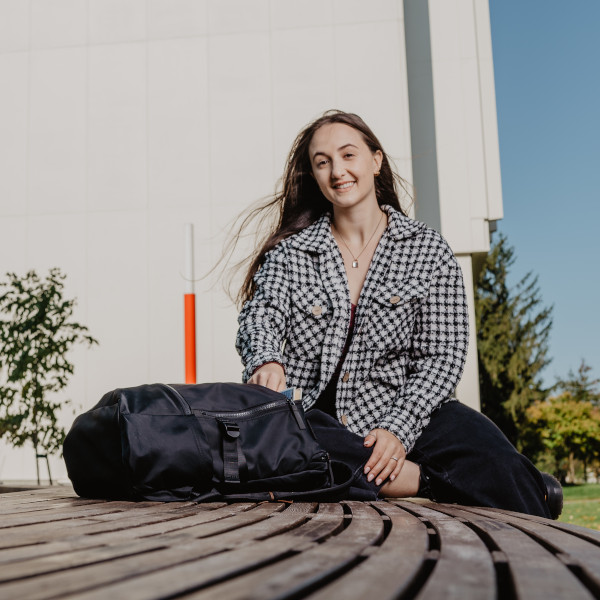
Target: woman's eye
(348, 155)
(321, 163)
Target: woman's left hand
(387, 458)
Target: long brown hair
(300, 203)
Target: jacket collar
(317, 238)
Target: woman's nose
(337, 170)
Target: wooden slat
(61, 514)
(366, 527)
(38, 495)
(572, 549)
(115, 516)
(54, 491)
(54, 545)
(80, 558)
(93, 552)
(590, 535)
(246, 553)
(391, 568)
(80, 542)
(45, 504)
(464, 568)
(536, 573)
(311, 564)
(177, 555)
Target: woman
(365, 310)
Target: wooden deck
(55, 545)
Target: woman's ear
(378, 160)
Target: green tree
(568, 429)
(580, 385)
(36, 333)
(512, 342)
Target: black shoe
(424, 487)
(554, 495)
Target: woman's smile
(343, 187)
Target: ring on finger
(394, 458)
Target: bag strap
(341, 484)
(234, 460)
(332, 494)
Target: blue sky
(547, 70)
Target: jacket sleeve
(263, 319)
(440, 343)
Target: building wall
(122, 120)
(454, 137)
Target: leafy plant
(36, 334)
(568, 429)
(512, 342)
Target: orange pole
(190, 337)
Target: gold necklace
(355, 261)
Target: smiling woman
(302, 199)
(344, 165)
(365, 310)
(345, 169)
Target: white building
(122, 120)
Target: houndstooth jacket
(410, 335)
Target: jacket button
(316, 310)
(395, 299)
(344, 420)
(346, 377)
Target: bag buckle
(232, 430)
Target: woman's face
(343, 165)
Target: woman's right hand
(271, 376)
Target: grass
(582, 505)
(589, 491)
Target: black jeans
(463, 455)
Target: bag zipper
(242, 413)
(249, 412)
(184, 405)
(296, 413)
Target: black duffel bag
(206, 442)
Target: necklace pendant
(355, 264)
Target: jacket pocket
(311, 314)
(392, 315)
